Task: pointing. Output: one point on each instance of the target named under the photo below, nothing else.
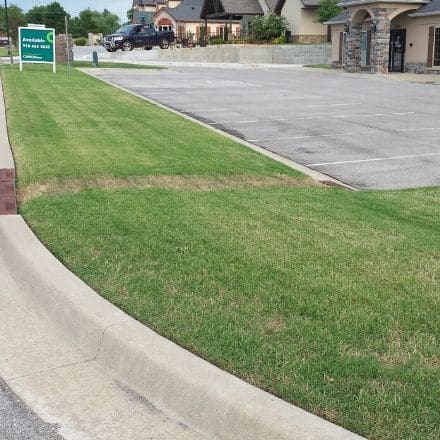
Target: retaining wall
(233, 53)
(8, 203)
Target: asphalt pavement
(18, 422)
(365, 130)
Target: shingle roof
(251, 7)
(148, 2)
(231, 8)
(188, 10)
(311, 3)
(430, 8)
(342, 17)
(272, 4)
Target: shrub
(269, 27)
(216, 40)
(280, 40)
(81, 41)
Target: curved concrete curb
(7, 168)
(203, 396)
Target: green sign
(36, 45)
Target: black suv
(138, 35)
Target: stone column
(353, 47)
(380, 41)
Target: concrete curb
(320, 177)
(203, 396)
(206, 398)
(8, 204)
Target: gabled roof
(148, 2)
(340, 18)
(431, 8)
(188, 10)
(311, 3)
(224, 8)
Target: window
(165, 28)
(436, 54)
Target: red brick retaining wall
(8, 203)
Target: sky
(73, 7)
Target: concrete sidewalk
(65, 387)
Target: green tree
(107, 22)
(88, 22)
(328, 9)
(52, 16)
(268, 27)
(130, 14)
(16, 18)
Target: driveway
(364, 130)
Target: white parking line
(372, 160)
(204, 110)
(303, 118)
(348, 133)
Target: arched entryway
(358, 41)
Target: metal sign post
(36, 45)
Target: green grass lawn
(324, 297)
(4, 52)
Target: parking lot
(367, 131)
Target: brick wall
(61, 50)
(8, 203)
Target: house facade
(145, 10)
(301, 15)
(303, 19)
(389, 36)
(186, 22)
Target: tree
(328, 9)
(268, 27)
(107, 22)
(88, 22)
(16, 18)
(130, 14)
(52, 16)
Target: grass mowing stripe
(63, 127)
(326, 298)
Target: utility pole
(66, 21)
(7, 33)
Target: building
(186, 22)
(144, 10)
(387, 36)
(301, 15)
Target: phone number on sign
(36, 46)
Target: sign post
(36, 45)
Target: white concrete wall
(232, 53)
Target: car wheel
(148, 47)
(164, 44)
(127, 45)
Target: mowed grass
(324, 297)
(80, 127)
